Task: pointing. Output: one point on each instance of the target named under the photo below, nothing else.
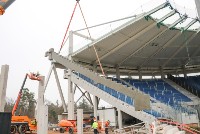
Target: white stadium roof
(148, 44)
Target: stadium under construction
(144, 68)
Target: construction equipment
(4, 4)
(67, 125)
(19, 123)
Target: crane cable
(93, 44)
(63, 41)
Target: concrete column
(95, 103)
(197, 2)
(162, 73)
(129, 76)
(117, 72)
(119, 118)
(42, 110)
(70, 51)
(80, 121)
(3, 86)
(70, 84)
(70, 100)
(184, 72)
(139, 73)
(94, 67)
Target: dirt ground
(57, 132)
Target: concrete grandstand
(146, 45)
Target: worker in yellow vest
(95, 126)
(34, 122)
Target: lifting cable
(63, 42)
(93, 44)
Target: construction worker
(107, 123)
(95, 126)
(34, 122)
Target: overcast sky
(31, 27)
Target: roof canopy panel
(147, 44)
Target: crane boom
(19, 96)
(32, 76)
(4, 4)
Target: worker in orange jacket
(107, 123)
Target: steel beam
(190, 24)
(178, 50)
(60, 90)
(83, 36)
(83, 94)
(177, 21)
(158, 8)
(48, 77)
(166, 16)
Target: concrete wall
(190, 119)
(107, 114)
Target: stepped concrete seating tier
(191, 83)
(110, 91)
(118, 95)
(141, 100)
(161, 91)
